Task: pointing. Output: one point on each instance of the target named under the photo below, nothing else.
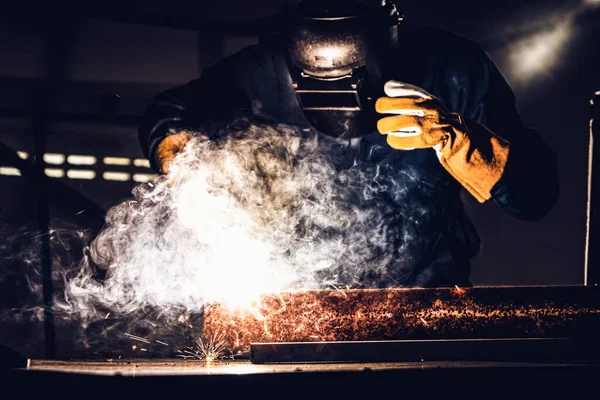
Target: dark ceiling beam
(226, 28)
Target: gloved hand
(168, 149)
(470, 152)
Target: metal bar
(204, 25)
(522, 350)
(403, 314)
(592, 239)
(59, 38)
(43, 214)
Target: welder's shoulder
(450, 44)
(457, 54)
(255, 61)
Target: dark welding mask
(333, 51)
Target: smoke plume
(250, 209)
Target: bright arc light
(229, 232)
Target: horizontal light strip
(117, 161)
(9, 171)
(54, 159)
(76, 159)
(54, 172)
(116, 176)
(81, 174)
(141, 162)
(23, 154)
(143, 177)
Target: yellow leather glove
(476, 158)
(168, 149)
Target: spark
(82, 211)
(137, 338)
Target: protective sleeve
(529, 186)
(215, 95)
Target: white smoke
(255, 209)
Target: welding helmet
(333, 48)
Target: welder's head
(330, 38)
(334, 48)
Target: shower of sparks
(390, 314)
(211, 350)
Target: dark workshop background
(74, 79)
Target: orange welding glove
(168, 149)
(474, 156)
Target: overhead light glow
(539, 54)
(76, 159)
(54, 158)
(116, 176)
(9, 171)
(54, 172)
(81, 174)
(117, 161)
(142, 178)
(141, 162)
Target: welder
(380, 88)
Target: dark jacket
(455, 70)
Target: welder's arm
(529, 186)
(164, 125)
(471, 153)
(483, 144)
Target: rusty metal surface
(395, 314)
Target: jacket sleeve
(529, 186)
(213, 96)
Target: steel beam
(408, 314)
(592, 239)
(501, 350)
